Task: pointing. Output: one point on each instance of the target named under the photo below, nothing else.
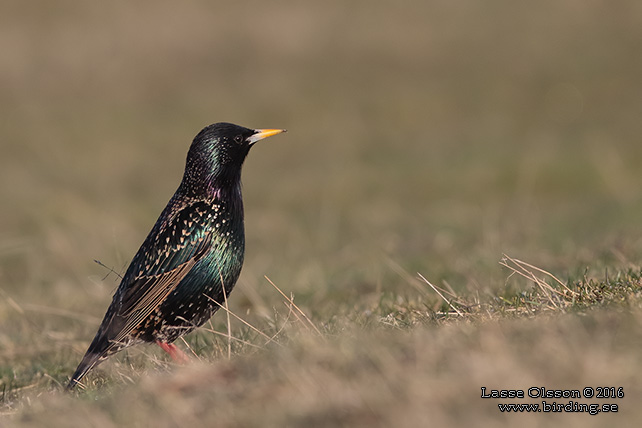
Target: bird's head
(218, 151)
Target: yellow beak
(260, 134)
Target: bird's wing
(181, 237)
(170, 251)
(149, 293)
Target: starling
(192, 257)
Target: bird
(192, 257)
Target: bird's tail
(89, 361)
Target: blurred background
(428, 136)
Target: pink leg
(177, 355)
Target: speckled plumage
(191, 257)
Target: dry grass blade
(287, 318)
(244, 342)
(229, 325)
(12, 302)
(295, 307)
(189, 347)
(542, 271)
(416, 283)
(406, 276)
(518, 269)
(110, 269)
(53, 379)
(440, 295)
(299, 319)
(244, 322)
(523, 269)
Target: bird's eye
(238, 139)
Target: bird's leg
(177, 355)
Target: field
(456, 205)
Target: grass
(396, 364)
(455, 206)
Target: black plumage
(192, 257)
